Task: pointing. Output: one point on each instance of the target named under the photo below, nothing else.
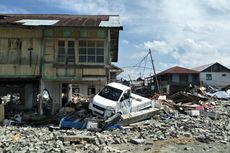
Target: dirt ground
(175, 145)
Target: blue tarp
(71, 123)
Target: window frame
(66, 54)
(208, 76)
(95, 48)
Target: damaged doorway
(18, 97)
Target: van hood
(103, 102)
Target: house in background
(57, 53)
(214, 74)
(176, 79)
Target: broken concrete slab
(134, 117)
(213, 115)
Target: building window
(66, 52)
(91, 90)
(91, 51)
(208, 76)
(184, 78)
(224, 75)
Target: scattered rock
(137, 141)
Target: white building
(214, 74)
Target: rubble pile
(187, 114)
(40, 139)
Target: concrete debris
(137, 141)
(188, 114)
(134, 117)
(203, 128)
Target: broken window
(66, 52)
(91, 51)
(208, 76)
(110, 93)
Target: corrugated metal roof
(178, 70)
(64, 20)
(114, 21)
(203, 67)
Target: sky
(187, 33)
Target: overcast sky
(187, 33)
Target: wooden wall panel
(49, 71)
(27, 69)
(20, 32)
(3, 45)
(70, 72)
(87, 71)
(49, 50)
(7, 69)
(61, 72)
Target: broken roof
(60, 20)
(178, 70)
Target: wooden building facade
(46, 51)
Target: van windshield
(110, 93)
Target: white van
(117, 98)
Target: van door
(125, 104)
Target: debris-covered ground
(178, 134)
(190, 122)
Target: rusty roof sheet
(64, 20)
(178, 70)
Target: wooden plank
(2, 112)
(78, 138)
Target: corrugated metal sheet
(203, 67)
(65, 20)
(114, 21)
(33, 22)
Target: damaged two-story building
(50, 52)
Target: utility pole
(150, 53)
